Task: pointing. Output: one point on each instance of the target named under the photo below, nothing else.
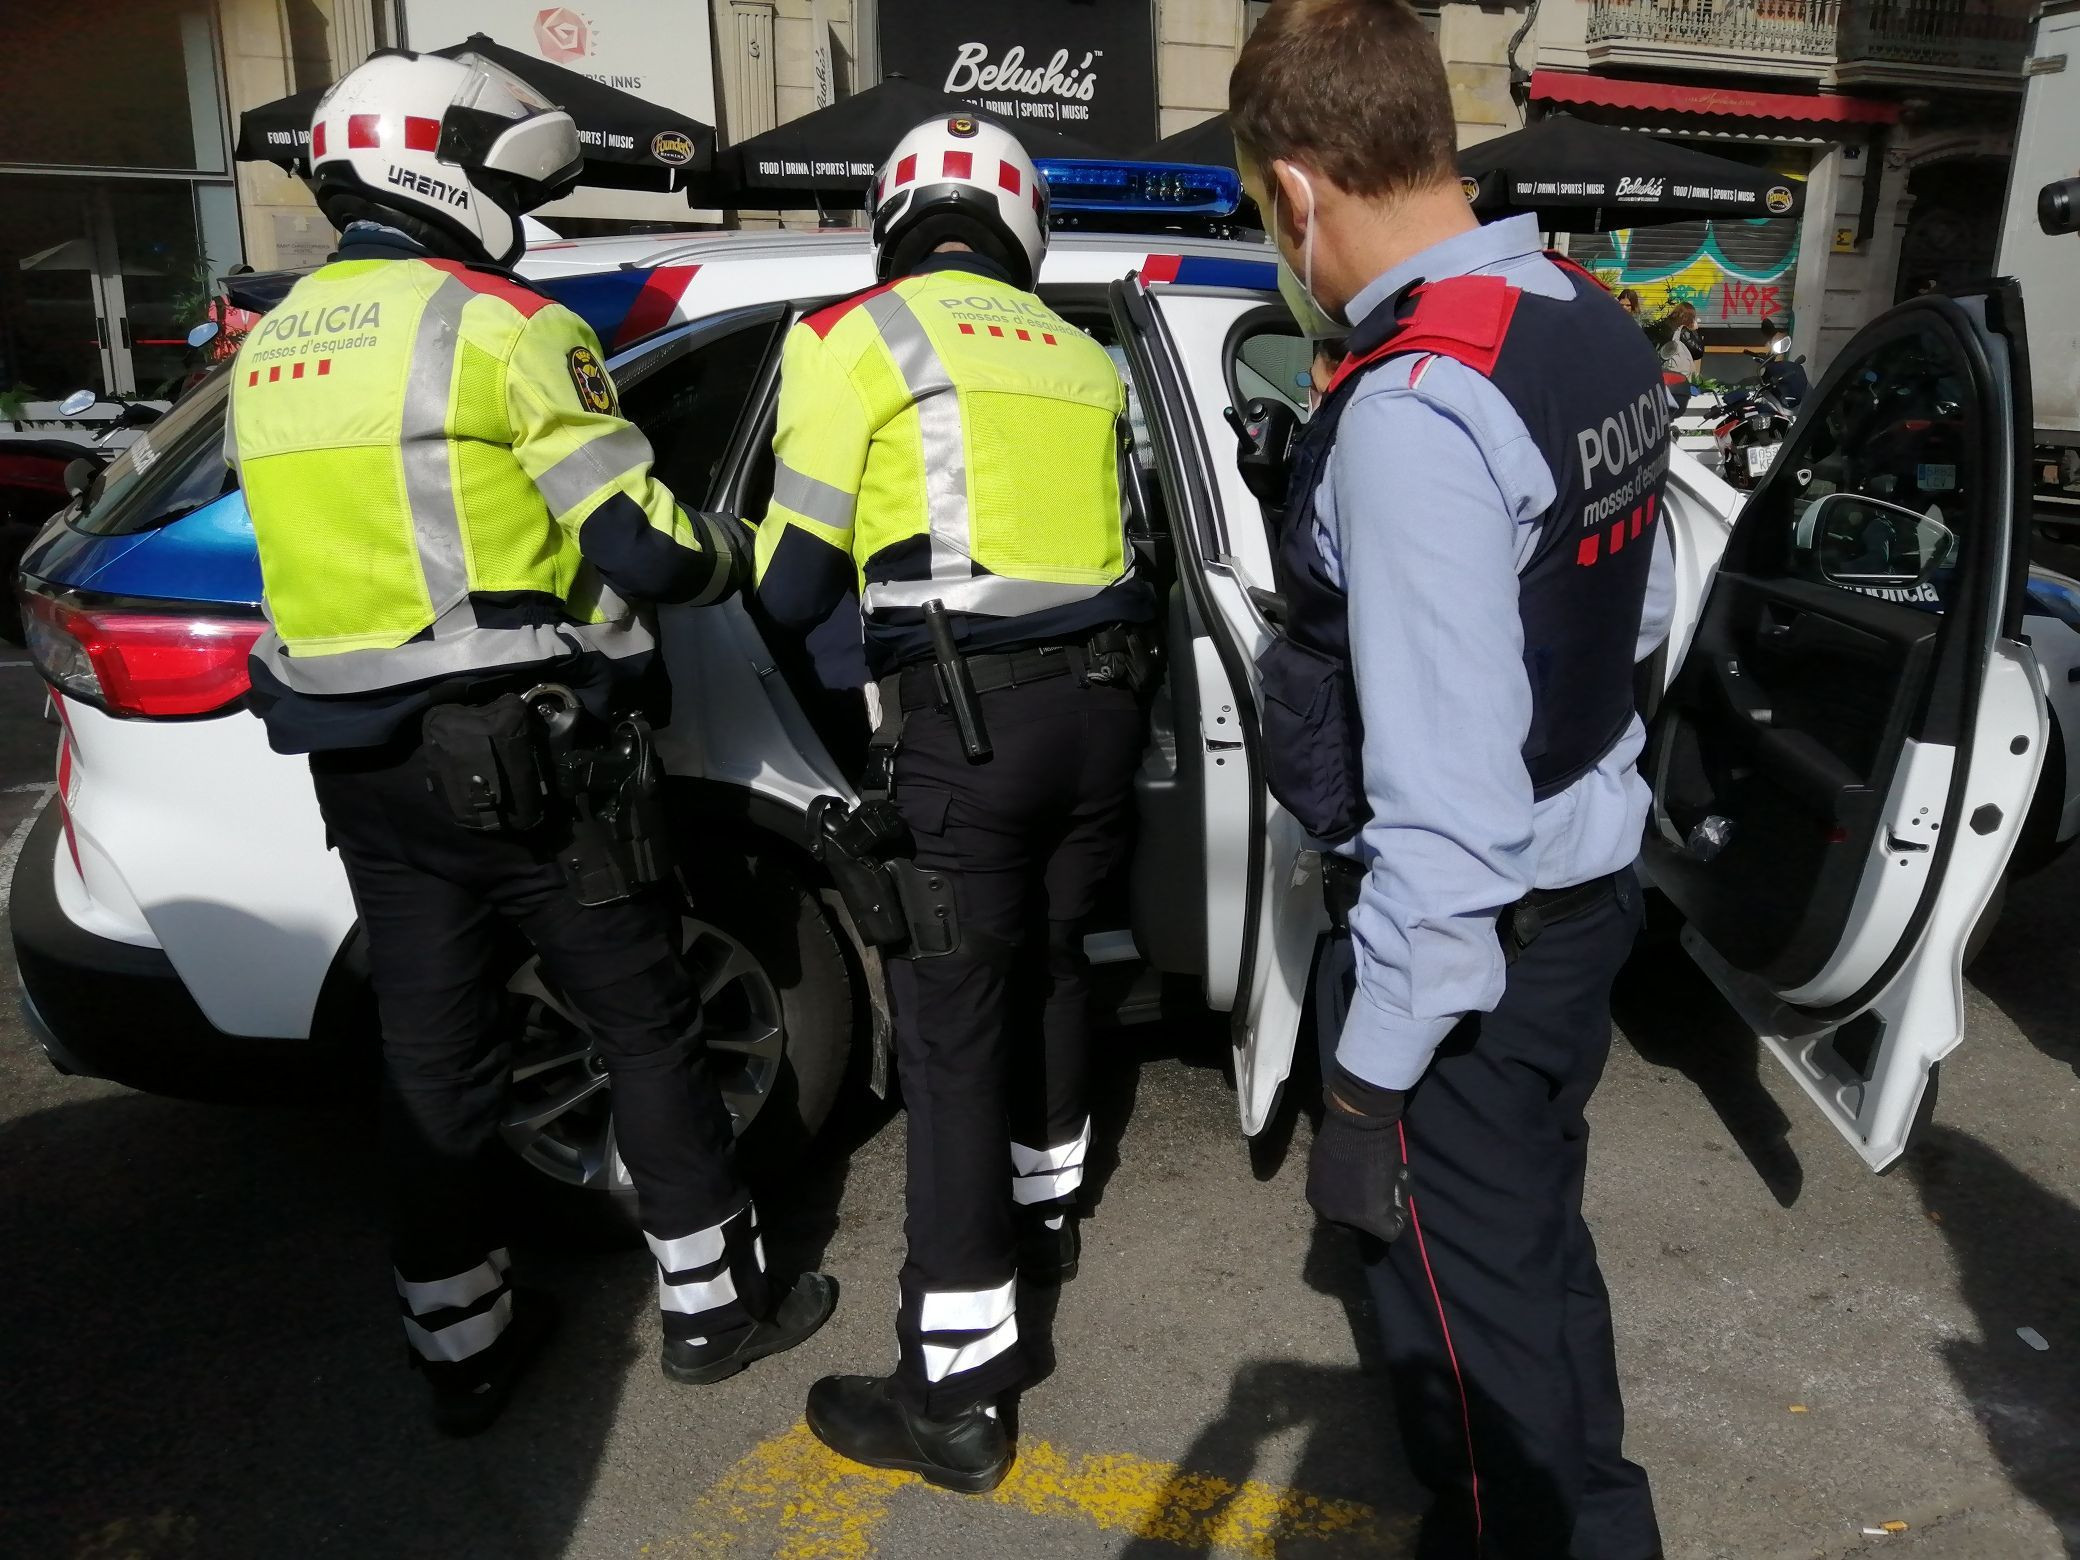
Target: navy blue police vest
(1581, 375)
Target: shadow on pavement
(2027, 966)
(2018, 1257)
(201, 1352)
(1672, 1016)
(1351, 1453)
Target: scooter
(1756, 419)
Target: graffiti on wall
(1737, 274)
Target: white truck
(2047, 153)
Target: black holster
(617, 844)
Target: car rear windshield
(175, 467)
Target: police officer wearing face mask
(1467, 558)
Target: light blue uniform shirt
(1430, 505)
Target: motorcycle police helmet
(961, 179)
(452, 151)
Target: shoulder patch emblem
(595, 389)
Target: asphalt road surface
(199, 1356)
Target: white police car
(1841, 776)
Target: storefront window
(114, 84)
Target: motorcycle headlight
(2054, 595)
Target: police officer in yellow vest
(455, 529)
(948, 449)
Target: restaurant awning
(1666, 97)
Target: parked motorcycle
(1756, 419)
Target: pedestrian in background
(1628, 300)
(1466, 559)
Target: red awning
(1667, 97)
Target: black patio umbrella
(630, 144)
(830, 156)
(1210, 143)
(1577, 177)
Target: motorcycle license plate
(1760, 456)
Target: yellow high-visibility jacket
(949, 438)
(441, 484)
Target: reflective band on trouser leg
(697, 1275)
(964, 1328)
(447, 1320)
(939, 424)
(1045, 1174)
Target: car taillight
(150, 660)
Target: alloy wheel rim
(557, 1117)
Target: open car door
(1257, 902)
(1847, 754)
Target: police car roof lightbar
(1154, 189)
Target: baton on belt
(955, 678)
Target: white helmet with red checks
(452, 151)
(960, 179)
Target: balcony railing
(1777, 27)
(1959, 34)
(1950, 35)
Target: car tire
(768, 959)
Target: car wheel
(777, 1016)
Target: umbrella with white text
(629, 142)
(1577, 177)
(829, 157)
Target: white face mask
(1316, 323)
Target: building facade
(1898, 115)
(120, 203)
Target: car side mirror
(78, 404)
(79, 475)
(1867, 544)
(202, 335)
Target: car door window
(1880, 496)
(688, 395)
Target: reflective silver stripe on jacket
(819, 501)
(449, 654)
(986, 595)
(591, 466)
(429, 478)
(939, 424)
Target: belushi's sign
(1083, 67)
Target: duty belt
(1518, 925)
(923, 686)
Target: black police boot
(468, 1397)
(805, 1308)
(1048, 1256)
(860, 1417)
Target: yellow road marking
(791, 1498)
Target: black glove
(1355, 1176)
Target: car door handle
(1779, 622)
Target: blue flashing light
(1153, 189)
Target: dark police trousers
(1492, 1307)
(436, 903)
(993, 1040)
